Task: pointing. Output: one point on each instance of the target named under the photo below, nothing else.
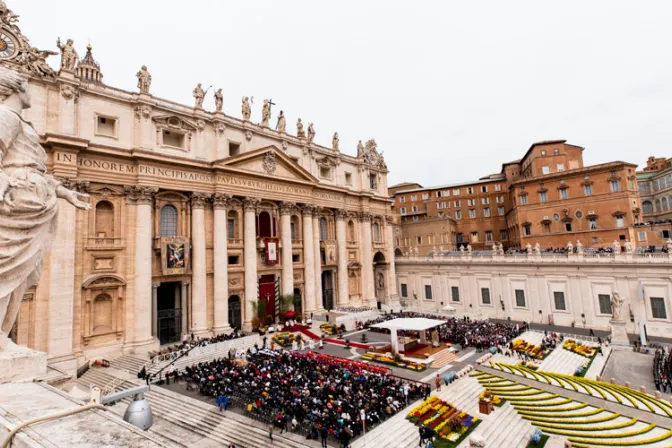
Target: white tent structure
(420, 324)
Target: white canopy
(410, 323)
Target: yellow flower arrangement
(576, 442)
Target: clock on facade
(9, 45)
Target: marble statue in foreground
(28, 203)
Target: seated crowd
(317, 393)
(354, 309)
(662, 367)
(189, 342)
(466, 332)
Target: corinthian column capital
(340, 214)
(140, 194)
(287, 208)
(307, 210)
(220, 201)
(199, 199)
(365, 216)
(251, 203)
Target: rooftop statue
(219, 100)
(311, 133)
(266, 113)
(199, 95)
(69, 56)
(144, 80)
(28, 202)
(246, 109)
(299, 129)
(335, 141)
(282, 123)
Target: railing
(83, 369)
(235, 241)
(543, 257)
(112, 385)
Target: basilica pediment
(268, 161)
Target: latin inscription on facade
(262, 185)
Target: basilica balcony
(104, 244)
(297, 242)
(235, 242)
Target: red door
(267, 296)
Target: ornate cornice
(287, 208)
(251, 203)
(140, 194)
(199, 199)
(220, 201)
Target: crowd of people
(465, 331)
(662, 368)
(321, 395)
(189, 342)
(354, 309)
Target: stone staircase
(562, 361)
(131, 364)
(180, 418)
(443, 358)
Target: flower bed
(531, 350)
(284, 339)
(529, 365)
(329, 328)
(385, 359)
(579, 348)
(496, 401)
(450, 424)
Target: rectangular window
(457, 204)
(425, 196)
(485, 296)
(527, 229)
(292, 230)
(106, 126)
(173, 139)
(503, 235)
(404, 290)
(500, 211)
(325, 172)
(520, 298)
(485, 201)
(484, 188)
(588, 190)
(543, 197)
(472, 213)
(500, 199)
(403, 210)
(428, 292)
(402, 199)
(545, 170)
(665, 234)
(474, 237)
(605, 303)
(438, 194)
(470, 190)
(592, 223)
(563, 193)
(523, 199)
(414, 209)
(559, 299)
(615, 186)
(642, 236)
(373, 181)
(234, 259)
(498, 187)
(439, 205)
(234, 149)
(296, 258)
(568, 226)
(486, 212)
(456, 192)
(488, 235)
(414, 197)
(620, 222)
(230, 229)
(658, 308)
(458, 214)
(471, 202)
(348, 180)
(560, 167)
(455, 293)
(418, 240)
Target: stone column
(142, 339)
(184, 298)
(250, 259)
(391, 268)
(308, 259)
(155, 309)
(317, 259)
(341, 241)
(368, 290)
(286, 209)
(221, 264)
(199, 311)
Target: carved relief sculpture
(246, 110)
(28, 203)
(270, 163)
(219, 100)
(334, 142)
(311, 133)
(199, 95)
(299, 129)
(282, 123)
(144, 79)
(69, 56)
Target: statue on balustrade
(246, 109)
(616, 303)
(144, 79)
(28, 202)
(281, 126)
(69, 56)
(219, 100)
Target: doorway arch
(235, 318)
(380, 278)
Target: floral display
(329, 328)
(496, 401)
(284, 339)
(529, 365)
(531, 350)
(399, 362)
(579, 348)
(445, 419)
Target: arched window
(264, 225)
(104, 220)
(376, 232)
(352, 236)
(102, 314)
(658, 205)
(323, 229)
(168, 221)
(647, 207)
(232, 225)
(664, 203)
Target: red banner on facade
(271, 246)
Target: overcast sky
(449, 89)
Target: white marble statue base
(22, 365)
(619, 335)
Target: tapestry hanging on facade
(330, 253)
(271, 246)
(174, 255)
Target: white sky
(449, 89)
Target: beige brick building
(196, 216)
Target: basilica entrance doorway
(235, 318)
(267, 290)
(169, 312)
(328, 290)
(380, 278)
